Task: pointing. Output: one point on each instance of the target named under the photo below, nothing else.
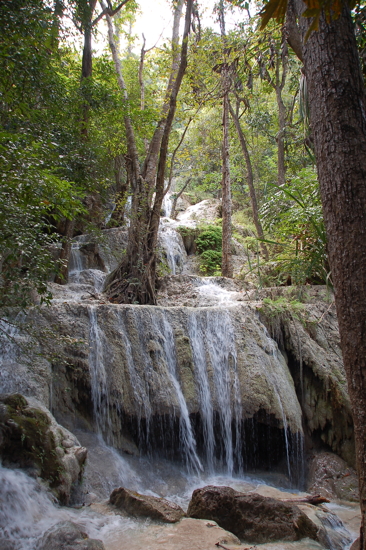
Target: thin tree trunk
(61, 279)
(173, 214)
(227, 269)
(338, 120)
(250, 181)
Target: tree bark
(61, 279)
(227, 269)
(337, 114)
(250, 181)
(134, 280)
(173, 213)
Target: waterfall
(172, 244)
(76, 262)
(169, 379)
(213, 345)
(98, 375)
(166, 354)
(167, 205)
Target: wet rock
(187, 534)
(68, 536)
(32, 439)
(146, 505)
(250, 516)
(331, 477)
(310, 339)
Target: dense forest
(261, 106)
(74, 130)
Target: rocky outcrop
(209, 370)
(332, 477)
(250, 516)
(30, 438)
(68, 536)
(309, 338)
(146, 506)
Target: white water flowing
(158, 324)
(76, 262)
(212, 340)
(98, 374)
(172, 244)
(27, 511)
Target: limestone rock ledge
(30, 438)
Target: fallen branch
(311, 499)
(219, 545)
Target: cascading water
(98, 375)
(212, 340)
(187, 439)
(172, 244)
(27, 511)
(159, 326)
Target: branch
(108, 11)
(174, 154)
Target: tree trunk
(134, 280)
(250, 181)
(337, 114)
(227, 262)
(173, 213)
(61, 279)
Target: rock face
(251, 517)
(68, 536)
(206, 370)
(146, 506)
(331, 477)
(30, 438)
(310, 341)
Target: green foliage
(294, 216)
(281, 306)
(209, 238)
(210, 262)
(31, 194)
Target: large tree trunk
(250, 181)
(338, 120)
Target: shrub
(210, 239)
(211, 261)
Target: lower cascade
(166, 399)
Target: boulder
(146, 505)
(31, 438)
(68, 536)
(330, 476)
(250, 516)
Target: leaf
(275, 9)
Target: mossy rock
(27, 440)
